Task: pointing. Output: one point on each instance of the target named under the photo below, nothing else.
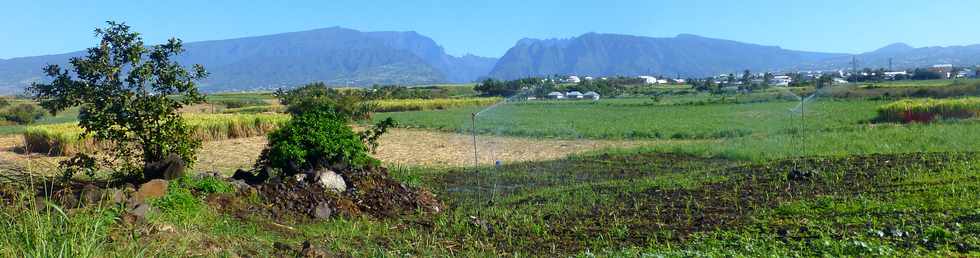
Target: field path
(410, 147)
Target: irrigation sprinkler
(476, 155)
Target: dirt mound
(371, 192)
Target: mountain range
(347, 57)
(336, 56)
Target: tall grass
(65, 139)
(927, 110)
(396, 105)
(32, 228)
(210, 127)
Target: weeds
(33, 227)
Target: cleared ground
(402, 147)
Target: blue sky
(489, 28)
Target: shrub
(927, 110)
(315, 97)
(23, 113)
(314, 140)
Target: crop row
(396, 105)
(66, 138)
(927, 110)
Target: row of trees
(540, 87)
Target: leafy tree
(348, 104)
(925, 74)
(23, 113)
(129, 96)
(824, 81)
(766, 78)
(491, 87)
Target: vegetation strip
(65, 139)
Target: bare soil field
(409, 147)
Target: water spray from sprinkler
(476, 155)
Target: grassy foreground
(608, 204)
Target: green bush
(23, 113)
(312, 140)
(346, 104)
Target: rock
(801, 175)
(170, 167)
(116, 196)
(90, 194)
(311, 252)
(156, 188)
(322, 211)
(205, 175)
(239, 184)
(250, 178)
(65, 199)
(141, 210)
(330, 180)
(136, 214)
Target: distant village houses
(572, 95)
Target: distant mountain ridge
(687, 55)
(903, 56)
(598, 54)
(346, 57)
(337, 56)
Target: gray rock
(170, 167)
(90, 194)
(141, 210)
(116, 196)
(239, 184)
(322, 211)
(330, 180)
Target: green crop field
(641, 118)
(751, 175)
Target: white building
(574, 95)
(556, 95)
(573, 79)
(781, 80)
(649, 79)
(591, 95)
